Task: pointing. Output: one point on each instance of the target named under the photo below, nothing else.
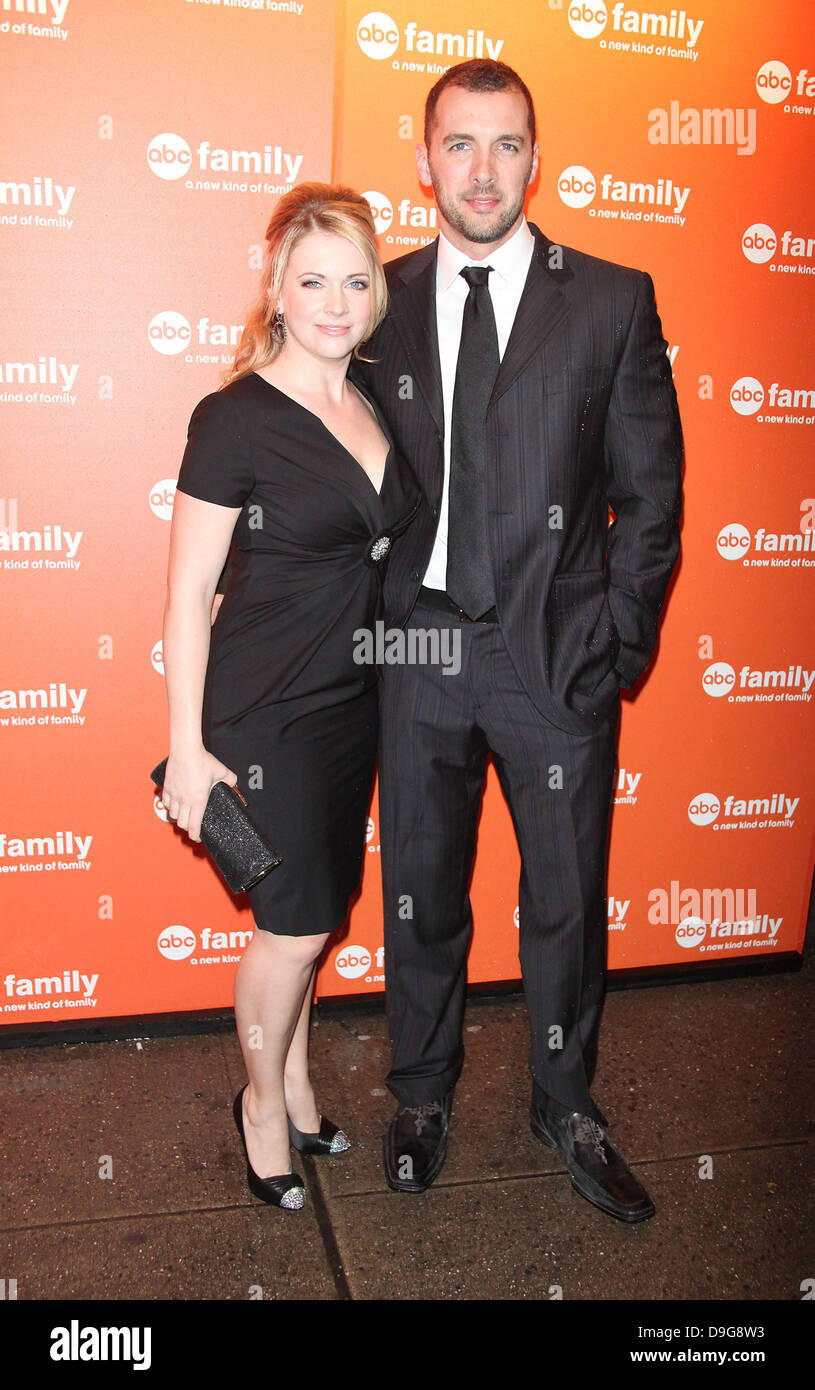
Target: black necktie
(469, 571)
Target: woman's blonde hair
(310, 207)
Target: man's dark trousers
(436, 731)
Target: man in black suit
(528, 385)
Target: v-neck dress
(286, 705)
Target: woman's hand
(188, 780)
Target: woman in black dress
(293, 459)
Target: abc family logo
(718, 679)
(747, 396)
(735, 540)
(381, 209)
(378, 36)
(775, 83)
(759, 244)
(577, 187)
(176, 942)
(169, 157)
(690, 932)
(589, 18)
(354, 961)
(162, 497)
(406, 214)
(170, 332)
(706, 808)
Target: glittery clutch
(229, 835)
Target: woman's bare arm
(199, 541)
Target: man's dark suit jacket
(583, 416)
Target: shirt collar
(510, 261)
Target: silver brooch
(380, 547)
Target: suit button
(415, 576)
(434, 511)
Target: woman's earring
(278, 327)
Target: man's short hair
(479, 75)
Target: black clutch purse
(229, 835)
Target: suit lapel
(412, 309)
(413, 314)
(542, 307)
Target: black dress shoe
(415, 1145)
(328, 1140)
(541, 1102)
(285, 1190)
(596, 1167)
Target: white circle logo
(773, 81)
(690, 932)
(176, 943)
(704, 809)
(587, 20)
(370, 830)
(746, 395)
(576, 186)
(733, 541)
(381, 208)
(759, 243)
(352, 962)
(157, 657)
(516, 917)
(169, 332)
(160, 809)
(169, 156)
(162, 496)
(377, 35)
(718, 679)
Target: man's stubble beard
(477, 232)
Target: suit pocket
(583, 641)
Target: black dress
(286, 705)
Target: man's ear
(535, 162)
(422, 166)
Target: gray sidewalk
(720, 1069)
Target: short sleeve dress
(289, 704)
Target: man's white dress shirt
(510, 266)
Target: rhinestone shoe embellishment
(340, 1143)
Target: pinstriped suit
(583, 415)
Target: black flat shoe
(415, 1145)
(596, 1167)
(287, 1190)
(329, 1139)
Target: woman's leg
(300, 1102)
(272, 999)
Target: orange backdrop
(146, 145)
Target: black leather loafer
(415, 1145)
(596, 1167)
